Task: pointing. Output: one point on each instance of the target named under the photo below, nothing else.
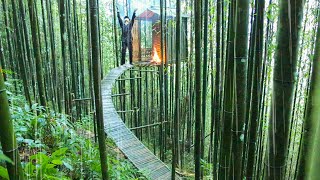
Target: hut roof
(154, 13)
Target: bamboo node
(250, 177)
(242, 59)
(276, 167)
(237, 131)
(223, 167)
(282, 81)
(230, 112)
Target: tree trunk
(311, 128)
(2, 64)
(256, 89)
(204, 77)
(55, 78)
(240, 83)
(226, 124)
(176, 119)
(7, 137)
(162, 93)
(215, 109)
(115, 32)
(97, 86)
(21, 63)
(198, 60)
(36, 49)
(8, 37)
(63, 35)
(290, 17)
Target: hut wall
(136, 41)
(156, 39)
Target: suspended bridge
(141, 157)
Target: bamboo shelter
(147, 37)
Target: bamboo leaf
(4, 173)
(5, 158)
(57, 162)
(69, 166)
(59, 152)
(50, 166)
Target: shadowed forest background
(218, 89)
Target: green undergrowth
(52, 147)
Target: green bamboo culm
(226, 122)
(306, 140)
(312, 120)
(240, 85)
(97, 86)
(197, 126)
(37, 53)
(176, 121)
(7, 137)
(286, 57)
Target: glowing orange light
(155, 58)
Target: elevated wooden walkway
(126, 141)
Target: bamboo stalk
(7, 136)
(97, 87)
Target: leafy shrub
(3, 171)
(51, 147)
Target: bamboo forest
(159, 89)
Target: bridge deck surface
(125, 140)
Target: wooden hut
(147, 36)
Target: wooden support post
(126, 111)
(82, 99)
(123, 94)
(148, 125)
(125, 79)
(144, 70)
